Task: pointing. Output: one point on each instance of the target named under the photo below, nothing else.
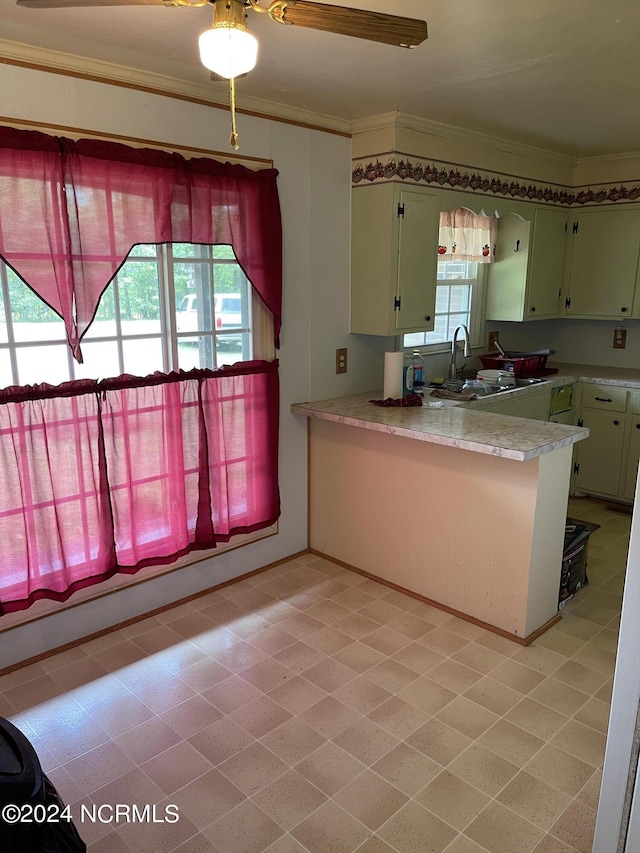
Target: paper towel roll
(393, 366)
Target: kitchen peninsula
(464, 508)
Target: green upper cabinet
(602, 263)
(394, 241)
(525, 281)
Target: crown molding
(56, 62)
(447, 131)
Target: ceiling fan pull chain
(233, 139)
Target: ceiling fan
(228, 50)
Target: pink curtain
(467, 236)
(70, 212)
(106, 477)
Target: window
(459, 300)
(175, 306)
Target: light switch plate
(493, 336)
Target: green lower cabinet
(599, 458)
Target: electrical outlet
(493, 336)
(341, 360)
(619, 338)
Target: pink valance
(467, 236)
(71, 211)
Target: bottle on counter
(407, 376)
(417, 360)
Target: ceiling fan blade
(374, 26)
(59, 4)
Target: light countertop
(454, 426)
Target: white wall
(314, 190)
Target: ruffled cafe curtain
(467, 236)
(70, 212)
(106, 477)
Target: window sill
(45, 607)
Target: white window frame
(254, 334)
(477, 321)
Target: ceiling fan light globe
(228, 50)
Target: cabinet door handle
(637, 426)
(623, 310)
(533, 308)
(616, 423)
(603, 399)
(428, 318)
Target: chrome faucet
(453, 370)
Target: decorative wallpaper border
(490, 183)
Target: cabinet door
(507, 275)
(604, 246)
(394, 238)
(525, 281)
(600, 456)
(546, 264)
(417, 261)
(631, 471)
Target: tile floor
(310, 709)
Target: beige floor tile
(498, 644)
(467, 717)
(245, 828)
(330, 828)
(330, 768)
(299, 656)
(427, 695)
(589, 794)
(260, 716)
(329, 674)
(541, 720)
(444, 641)
(438, 741)
(516, 676)
(221, 740)
(511, 742)
(483, 769)
(231, 693)
(266, 674)
(493, 696)
(176, 766)
(146, 740)
(479, 657)
(353, 598)
(418, 657)
(98, 766)
(533, 800)
(252, 768)
(329, 717)
(581, 741)
(558, 696)
(207, 798)
(239, 656)
(576, 826)
(382, 611)
(370, 799)
(407, 768)
(499, 830)
(293, 741)
(410, 625)
(454, 676)
(362, 694)
(413, 829)
(386, 641)
(452, 800)
(165, 694)
(398, 717)
(580, 677)
(297, 627)
(191, 716)
(597, 658)
(79, 672)
(462, 844)
(559, 769)
(289, 799)
(122, 715)
(355, 626)
(605, 691)
(329, 640)
(550, 844)
(365, 741)
(538, 658)
(297, 694)
(560, 642)
(375, 845)
(391, 675)
(358, 657)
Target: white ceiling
(558, 74)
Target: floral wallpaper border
(490, 183)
